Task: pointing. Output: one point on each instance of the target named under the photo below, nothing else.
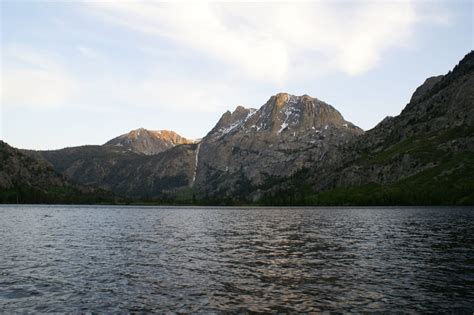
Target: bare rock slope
(249, 147)
(148, 142)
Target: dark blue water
(112, 259)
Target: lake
(185, 259)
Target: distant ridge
(27, 179)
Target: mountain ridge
(26, 179)
(415, 157)
(301, 150)
(244, 147)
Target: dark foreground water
(112, 259)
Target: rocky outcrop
(148, 142)
(425, 88)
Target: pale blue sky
(83, 72)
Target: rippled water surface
(110, 259)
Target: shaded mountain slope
(24, 179)
(124, 172)
(425, 155)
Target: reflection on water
(108, 259)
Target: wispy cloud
(266, 40)
(270, 42)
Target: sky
(83, 72)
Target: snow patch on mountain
(238, 124)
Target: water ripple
(154, 259)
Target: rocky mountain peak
(280, 99)
(231, 121)
(428, 107)
(425, 87)
(286, 112)
(148, 142)
(284, 135)
(467, 63)
(281, 114)
(434, 84)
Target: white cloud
(379, 26)
(33, 79)
(265, 40)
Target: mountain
(246, 148)
(298, 150)
(249, 147)
(425, 155)
(24, 179)
(127, 166)
(126, 173)
(148, 142)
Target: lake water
(144, 259)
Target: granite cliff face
(148, 142)
(249, 147)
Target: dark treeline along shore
(294, 150)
